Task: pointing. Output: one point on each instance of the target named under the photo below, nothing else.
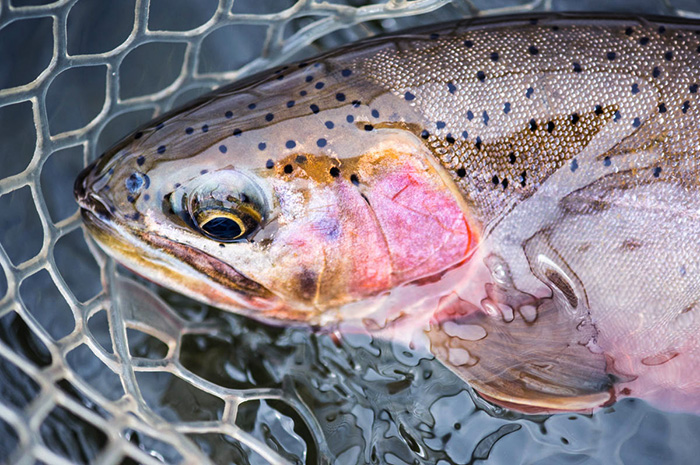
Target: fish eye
(227, 206)
(227, 224)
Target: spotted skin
(519, 193)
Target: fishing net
(97, 366)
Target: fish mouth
(187, 270)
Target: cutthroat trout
(521, 194)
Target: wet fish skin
(531, 154)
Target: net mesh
(86, 375)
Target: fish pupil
(222, 228)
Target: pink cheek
(424, 225)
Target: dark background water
(306, 395)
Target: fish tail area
(533, 359)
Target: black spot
(644, 41)
(574, 165)
(349, 118)
(534, 21)
(550, 126)
(657, 171)
(656, 72)
(329, 124)
(321, 142)
(223, 149)
(356, 103)
(636, 123)
(424, 134)
(629, 31)
(368, 127)
(662, 29)
(251, 106)
(262, 146)
(668, 55)
(228, 114)
(189, 130)
(662, 108)
(309, 78)
(161, 149)
(598, 110)
(451, 88)
(468, 43)
(477, 144)
(617, 116)
(506, 108)
(533, 50)
(465, 134)
(146, 197)
(504, 183)
(138, 135)
(450, 140)
(693, 88)
(319, 85)
(481, 76)
(461, 172)
(577, 67)
(698, 49)
(130, 199)
(528, 92)
(470, 115)
(375, 113)
(340, 97)
(610, 56)
(314, 108)
(409, 96)
(299, 159)
(533, 125)
(290, 104)
(288, 168)
(606, 161)
(440, 124)
(686, 106)
(555, 28)
(269, 164)
(574, 118)
(494, 56)
(354, 179)
(495, 180)
(512, 158)
(485, 117)
(302, 93)
(140, 160)
(269, 117)
(346, 72)
(237, 132)
(434, 36)
(160, 126)
(205, 128)
(635, 88)
(203, 171)
(522, 178)
(290, 144)
(335, 172)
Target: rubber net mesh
(98, 367)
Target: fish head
(279, 213)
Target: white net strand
(76, 388)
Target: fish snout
(87, 197)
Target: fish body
(520, 192)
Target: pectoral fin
(531, 358)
